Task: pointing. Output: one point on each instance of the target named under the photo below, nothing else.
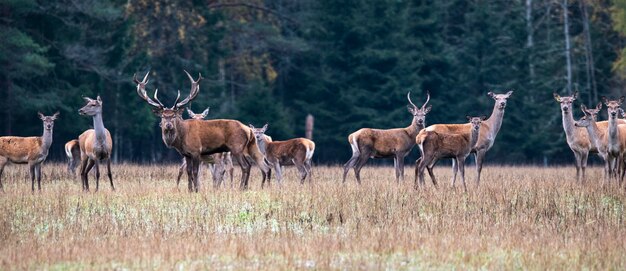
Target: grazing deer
(195, 138)
(295, 151)
(219, 163)
(72, 151)
(95, 144)
(434, 146)
(389, 143)
(488, 132)
(614, 145)
(28, 150)
(578, 137)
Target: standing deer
(195, 138)
(218, 163)
(488, 131)
(434, 146)
(72, 151)
(598, 137)
(28, 150)
(96, 144)
(295, 151)
(578, 137)
(389, 143)
(614, 146)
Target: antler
(408, 96)
(141, 91)
(427, 99)
(195, 89)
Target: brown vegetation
(519, 218)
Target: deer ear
(411, 109)
(98, 99)
(264, 128)
(556, 97)
(205, 113)
(621, 99)
(490, 94)
(483, 117)
(604, 100)
(599, 106)
(87, 99)
(468, 117)
(427, 109)
(508, 94)
(56, 115)
(251, 126)
(583, 108)
(575, 96)
(41, 116)
(189, 112)
(157, 111)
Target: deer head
(566, 101)
(500, 98)
(92, 108)
(613, 106)
(476, 121)
(48, 121)
(590, 115)
(259, 132)
(419, 113)
(169, 116)
(200, 116)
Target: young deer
(614, 145)
(95, 144)
(296, 151)
(28, 150)
(598, 137)
(72, 151)
(434, 146)
(195, 138)
(219, 163)
(488, 132)
(396, 143)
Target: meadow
(519, 217)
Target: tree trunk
(530, 41)
(591, 78)
(567, 47)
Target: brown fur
(28, 150)
(72, 151)
(291, 152)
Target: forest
(349, 63)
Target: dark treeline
(349, 63)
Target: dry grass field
(520, 217)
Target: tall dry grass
(520, 217)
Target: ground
(519, 217)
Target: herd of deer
(217, 142)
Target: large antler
(195, 89)
(141, 91)
(427, 99)
(408, 96)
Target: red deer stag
(488, 132)
(434, 146)
(28, 150)
(295, 151)
(390, 143)
(219, 163)
(72, 151)
(95, 144)
(195, 138)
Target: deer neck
(568, 124)
(173, 138)
(414, 128)
(594, 135)
(262, 145)
(46, 138)
(473, 137)
(99, 129)
(613, 139)
(495, 120)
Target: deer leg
(245, 170)
(38, 175)
(350, 164)
(583, 165)
(454, 171)
(480, 155)
(180, 172)
(578, 158)
(97, 175)
(196, 169)
(357, 169)
(430, 168)
(90, 164)
(301, 170)
(31, 170)
(461, 166)
(189, 174)
(309, 171)
(279, 173)
(3, 163)
(400, 168)
(421, 166)
(109, 174)
(83, 167)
